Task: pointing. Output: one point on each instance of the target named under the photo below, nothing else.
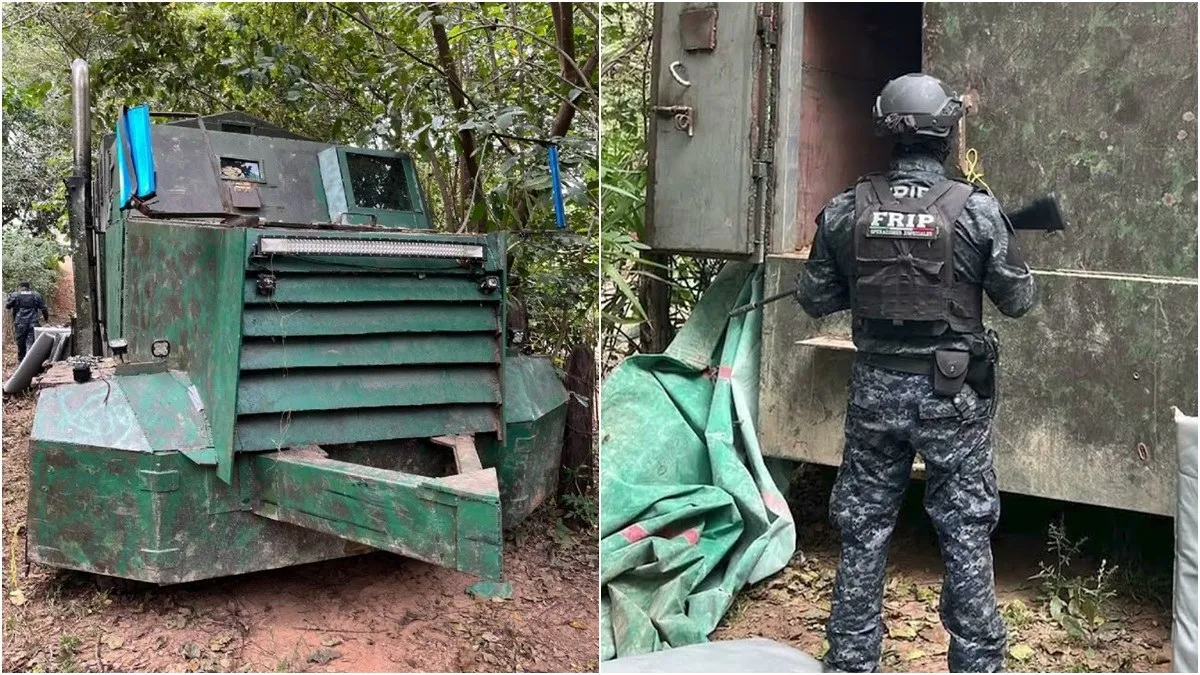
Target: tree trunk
(657, 332)
(469, 191)
(449, 208)
(575, 476)
(564, 33)
(516, 315)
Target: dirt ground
(371, 613)
(792, 606)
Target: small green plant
(581, 509)
(1076, 603)
(562, 534)
(736, 608)
(64, 660)
(1016, 614)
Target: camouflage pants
(890, 417)
(23, 333)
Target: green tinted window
(378, 182)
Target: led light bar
(375, 248)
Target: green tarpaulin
(690, 512)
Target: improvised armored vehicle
(304, 368)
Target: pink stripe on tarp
(634, 533)
(725, 372)
(776, 504)
(691, 534)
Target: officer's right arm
(822, 288)
(1006, 278)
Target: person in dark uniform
(25, 305)
(911, 252)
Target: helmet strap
(909, 145)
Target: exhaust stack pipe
(83, 235)
(81, 103)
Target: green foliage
(1076, 603)
(36, 142)
(32, 257)
(625, 63)
(579, 509)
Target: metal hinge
(761, 166)
(159, 481)
(766, 30)
(760, 170)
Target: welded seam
(1119, 276)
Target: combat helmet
(916, 105)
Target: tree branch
(365, 23)
(564, 33)
(611, 64)
(468, 187)
(536, 38)
(566, 112)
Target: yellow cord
(12, 556)
(973, 171)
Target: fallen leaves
(814, 614)
(1021, 651)
(190, 650)
(822, 651)
(323, 656)
(925, 593)
(179, 620)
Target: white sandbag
(756, 655)
(1184, 625)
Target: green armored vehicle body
(305, 368)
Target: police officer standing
(25, 305)
(910, 252)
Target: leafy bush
(1077, 603)
(31, 257)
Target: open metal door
(711, 131)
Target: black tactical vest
(903, 277)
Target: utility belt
(950, 368)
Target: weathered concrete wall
(1098, 103)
